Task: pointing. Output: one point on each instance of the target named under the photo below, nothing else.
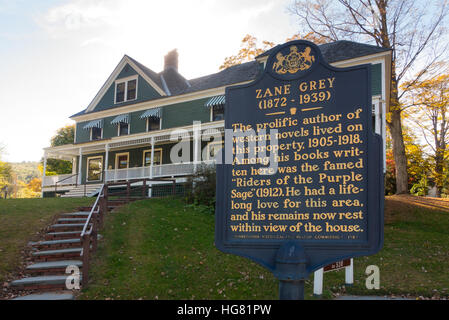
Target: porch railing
(165, 170)
(70, 180)
(159, 171)
(61, 180)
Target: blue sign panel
(300, 185)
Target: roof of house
(174, 83)
(340, 50)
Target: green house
(132, 127)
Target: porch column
(80, 162)
(150, 190)
(106, 162)
(44, 173)
(196, 144)
(152, 157)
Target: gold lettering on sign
(294, 61)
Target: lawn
(163, 249)
(21, 220)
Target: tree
(411, 29)
(248, 51)
(5, 172)
(35, 185)
(249, 48)
(63, 136)
(429, 110)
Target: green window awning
(94, 124)
(123, 118)
(152, 113)
(215, 101)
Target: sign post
(300, 182)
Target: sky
(56, 54)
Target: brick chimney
(171, 60)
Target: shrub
(200, 189)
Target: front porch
(143, 156)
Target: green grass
(163, 249)
(20, 220)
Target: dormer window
(126, 89)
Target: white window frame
(117, 155)
(118, 130)
(101, 134)
(149, 150)
(212, 115)
(126, 80)
(148, 125)
(87, 168)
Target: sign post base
(291, 270)
(291, 289)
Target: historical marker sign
(302, 179)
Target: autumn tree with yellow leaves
(250, 48)
(428, 109)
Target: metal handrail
(66, 178)
(92, 211)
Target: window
(94, 168)
(96, 133)
(157, 159)
(126, 90)
(217, 112)
(123, 129)
(122, 160)
(213, 149)
(153, 124)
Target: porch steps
(62, 235)
(52, 267)
(45, 276)
(78, 192)
(40, 282)
(48, 296)
(56, 244)
(80, 214)
(72, 220)
(67, 227)
(55, 255)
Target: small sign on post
(300, 182)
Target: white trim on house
(209, 93)
(117, 155)
(125, 60)
(147, 124)
(143, 106)
(149, 150)
(87, 168)
(126, 80)
(90, 137)
(118, 129)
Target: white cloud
(79, 43)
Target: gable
(145, 91)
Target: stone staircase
(78, 192)
(61, 247)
